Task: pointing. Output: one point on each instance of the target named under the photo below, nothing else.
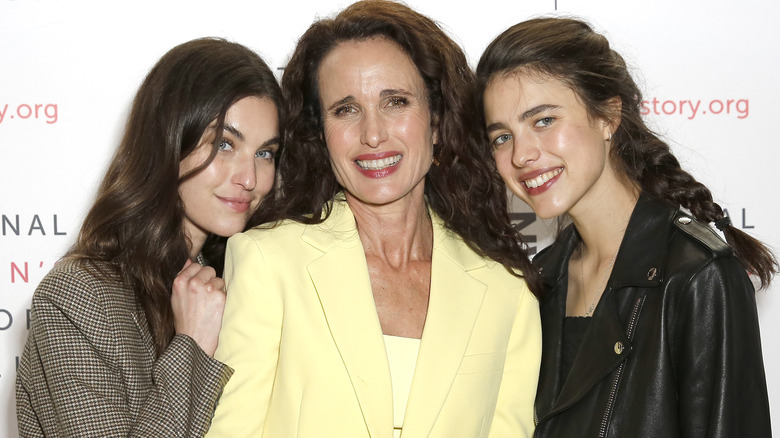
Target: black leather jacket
(673, 348)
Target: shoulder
(83, 300)
(281, 231)
(693, 245)
(699, 234)
(449, 245)
(291, 235)
(79, 282)
(701, 263)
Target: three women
(649, 319)
(124, 327)
(338, 310)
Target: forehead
(367, 64)
(522, 90)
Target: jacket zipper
(619, 373)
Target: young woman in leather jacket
(649, 319)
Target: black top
(573, 329)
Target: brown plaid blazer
(89, 367)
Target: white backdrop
(69, 70)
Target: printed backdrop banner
(69, 71)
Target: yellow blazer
(302, 333)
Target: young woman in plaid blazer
(125, 326)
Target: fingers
(194, 275)
(197, 301)
(186, 263)
(217, 284)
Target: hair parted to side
(136, 221)
(571, 51)
(465, 189)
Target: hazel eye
(397, 102)
(344, 110)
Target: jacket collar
(640, 263)
(340, 277)
(640, 259)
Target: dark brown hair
(465, 189)
(136, 222)
(570, 51)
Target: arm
(187, 384)
(86, 372)
(515, 404)
(249, 341)
(717, 355)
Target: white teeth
(541, 179)
(378, 164)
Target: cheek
(265, 179)
(337, 134)
(418, 126)
(503, 158)
(192, 195)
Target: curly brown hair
(465, 189)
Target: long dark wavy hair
(465, 189)
(136, 222)
(571, 51)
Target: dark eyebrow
(525, 116)
(495, 127)
(270, 142)
(537, 109)
(391, 92)
(231, 129)
(234, 131)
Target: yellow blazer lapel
(454, 303)
(340, 277)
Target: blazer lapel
(340, 277)
(454, 303)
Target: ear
(434, 129)
(610, 124)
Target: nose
(373, 131)
(524, 152)
(245, 173)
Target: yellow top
(402, 357)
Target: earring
(610, 137)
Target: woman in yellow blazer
(391, 295)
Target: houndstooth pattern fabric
(89, 368)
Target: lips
(539, 181)
(533, 183)
(378, 165)
(240, 205)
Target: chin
(228, 230)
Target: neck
(603, 221)
(397, 233)
(196, 238)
